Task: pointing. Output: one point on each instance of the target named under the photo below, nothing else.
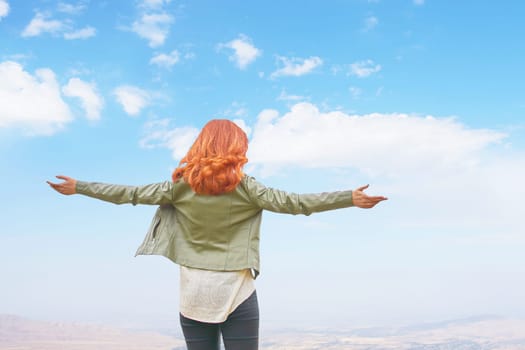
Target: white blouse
(210, 296)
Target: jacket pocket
(154, 227)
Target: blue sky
(422, 99)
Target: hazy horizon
(486, 332)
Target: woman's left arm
(292, 203)
(159, 193)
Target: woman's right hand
(67, 187)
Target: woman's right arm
(159, 193)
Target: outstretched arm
(292, 203)
(159, 193)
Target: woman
(208, 222)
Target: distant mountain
(22, 333)
(476, 333)
(485, 332)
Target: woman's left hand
(67, 187)
(362, 200)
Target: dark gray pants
(240, 331)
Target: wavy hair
(214, 163)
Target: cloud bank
(385, 143)
(35, 103)
(389, 144)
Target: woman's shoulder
(179, 186)
(248, 180)
(251, 185)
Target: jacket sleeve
(158, 193)
(292, 203)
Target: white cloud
(4, 8)
(83, 33)
(244, 52)
(40, 24)
(242, 111)
(158, 133)
(165, 60)
(364, 69)
(132, 99)
(154, 27)
(71, 9)
(92, 102)
(35, 103)
(296, 66)
(382, 143)
(284, 96)
(236, 109)
(18, 57)
(153, 4)
(419, 2)
(242, 124)
(370, 23)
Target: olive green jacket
(210, 232)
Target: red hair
(213, 165)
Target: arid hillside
(17, 333)
(479, 333)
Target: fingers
(51, 184)
(378, 198)
(67, 187)
(61, 177)
(362, 200)
(362, 188)
(56, 187)
(370, 203)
